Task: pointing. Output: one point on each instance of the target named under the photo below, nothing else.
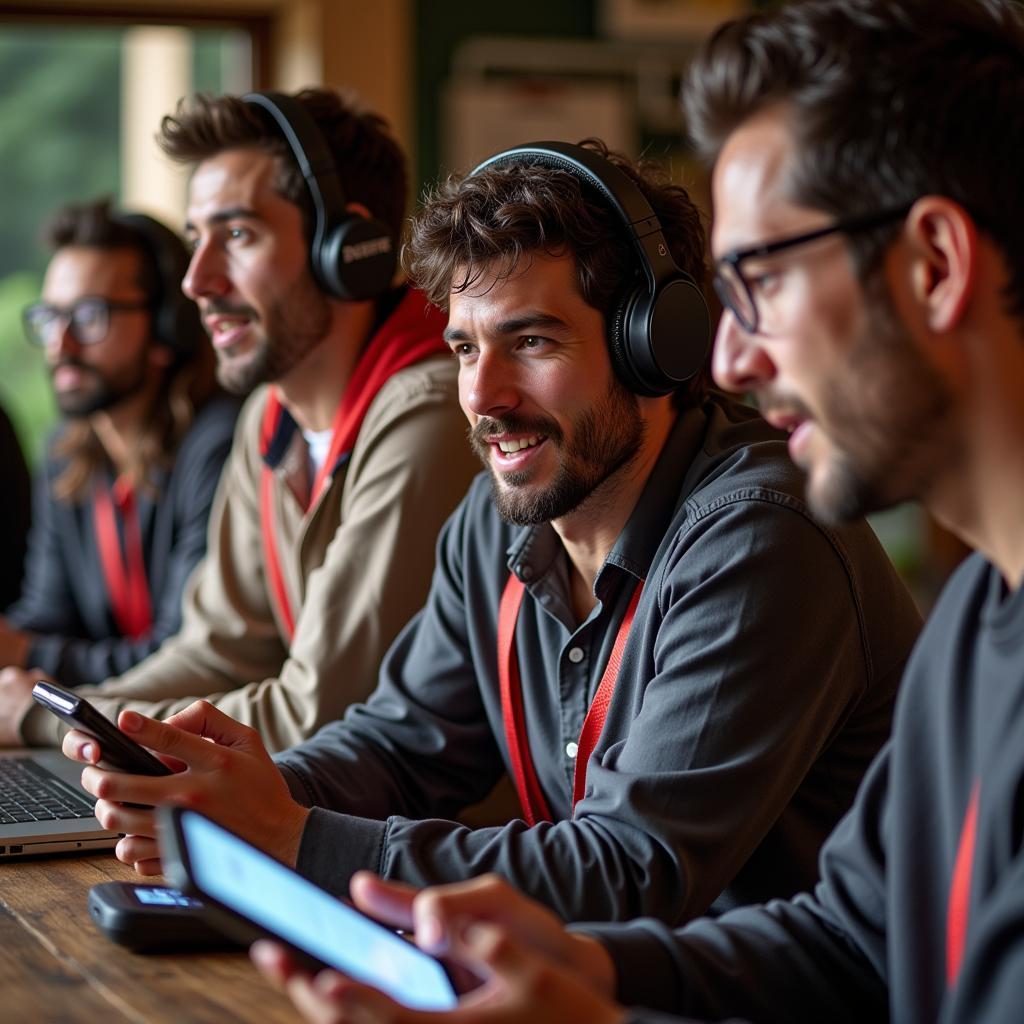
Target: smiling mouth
(515, 445)
(227, 328)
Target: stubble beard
(604, 439)
(890, 422)
(105, 393)
(294, 325)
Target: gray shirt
(755, 687)
(873, 941)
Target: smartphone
(120, 752)
(259, 896)
(154, 918)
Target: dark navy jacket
(64, 600)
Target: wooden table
(55, 965)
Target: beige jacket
(357, 571)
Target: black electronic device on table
(154, 918)
(255, 895)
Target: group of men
(687, 667)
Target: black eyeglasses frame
(848, 225)
(67, 313)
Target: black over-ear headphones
(352, 257)
(176, 322)
(659, 330)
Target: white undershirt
(318, 443)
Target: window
(80, 105)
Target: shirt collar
(534, 549)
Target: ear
(943, 242)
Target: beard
(294, 325)
(888, 419)
(100, 391)
(602, 440)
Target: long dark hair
(186, 385)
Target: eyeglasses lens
(735, 296)
(88, 320)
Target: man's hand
(221, 769)
(529, 969)
(521, 987)
(14, 646)
(15, 699)
(439, 914)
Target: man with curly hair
(644, 543)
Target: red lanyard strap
(960, 891)
(123, 571)
(531, 798)
(411, 334)
(275, 577)
(513, 715)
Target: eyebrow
(231, 213)
(513, 325)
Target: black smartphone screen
(118, 751)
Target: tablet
(256, 895)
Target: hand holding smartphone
(255, 896)
(119, 752)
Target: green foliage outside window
(60, 94)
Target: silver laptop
(43, 808)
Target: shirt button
(575, 656)
(571, 749)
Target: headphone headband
(351, 257)
(658, 335)
(309, 148)
(176, 322)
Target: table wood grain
(55, 964)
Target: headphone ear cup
(658, 344)
(618, 341)
(187, 331)
(356, 260)
(176, 322)
(677, 332)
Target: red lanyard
(960, 891)
(524, 776)
(124, 571)
(411, 334)
(340, 432)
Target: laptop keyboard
(28, 792)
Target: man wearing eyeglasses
(125, 491)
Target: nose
(740, 362)
(487, 385)
(62, 342)
(205, 274)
